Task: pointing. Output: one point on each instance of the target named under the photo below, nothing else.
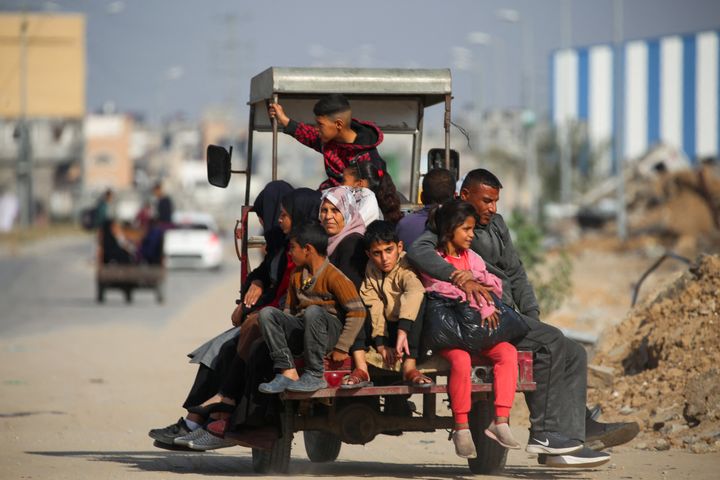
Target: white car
(193, 242)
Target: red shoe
(217, 428)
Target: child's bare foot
(501, 433)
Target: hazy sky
(166, 56)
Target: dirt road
(76, 403)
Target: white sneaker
(208, 441)
(185, 440)
(585, 458)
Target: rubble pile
(665, 364)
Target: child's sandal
(415, 378)
(356, 379)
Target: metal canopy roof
(431, 85)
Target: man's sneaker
(584, 458)
(551, 442)
(464, 445)
(276, 385)
(168, 434)
(185, 440)
(207, 441)
(307, 383)
(600, 436)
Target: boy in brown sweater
(323, 315)
(394, 294)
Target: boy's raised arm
(302, 132)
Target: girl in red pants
(454, 224)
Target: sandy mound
(666, 359)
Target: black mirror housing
(436, 159)
(218, 165)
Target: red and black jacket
(336, 155)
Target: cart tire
(277, 459)
(100, 289)
(491, 456)
(128, 295)
(321, 446)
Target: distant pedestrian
(163, 207)
(8, 209)
(103, 209)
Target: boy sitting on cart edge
(338, 136)
(323, 315)
(394, 295)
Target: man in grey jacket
(558, 414)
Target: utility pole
(23, 169)
(564, 125)
(619, 120)
(479, 40)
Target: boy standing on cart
(338, 136)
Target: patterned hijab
(344, 200)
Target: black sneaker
(600, 436)
(551, 442)
(168, 434)
(584, 458)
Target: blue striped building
(670, 87)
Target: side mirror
(218, 165)
(436, 159)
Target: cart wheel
(277, 460)
(491, 456)
(321, 446)
(100, 291)
(128, 295)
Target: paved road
(51, 284)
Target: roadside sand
(77, 404)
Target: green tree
(552, 282)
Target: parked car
(193, 242)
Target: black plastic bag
(453, 323)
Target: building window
(104, 159)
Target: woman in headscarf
(341, 218)
(295, 208)
(261, 284)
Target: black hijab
(303, 206)
(267, 207)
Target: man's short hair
(482, 176)
(438, 186)
(311, 234)
(331, 104)
(380, 231)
